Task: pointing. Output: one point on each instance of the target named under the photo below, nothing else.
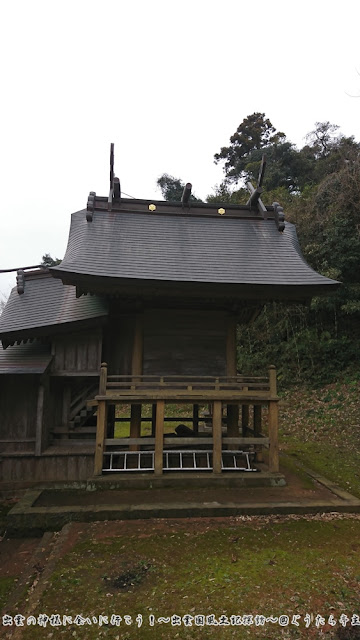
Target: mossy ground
(255, 566)
(6, 584)
(321, 429)
(262, 565)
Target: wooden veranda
(237, 392)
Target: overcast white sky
(167, 82)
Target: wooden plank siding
(18, 412)
(118, 344)
(79, 352)
(185, 342)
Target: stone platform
(186, 495)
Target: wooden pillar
(232, 410)
(100, 436)
(231, 359)
(101, 423)
(273, 423)
(196, 418)
(135, 425)
(153, 420)
(272, 381)
(245, 419)
(137, 354)
(39, 420)
(103, 379)
(257, 431)
(159, 437)
(273, 437)
(66, 406)
(217, 436)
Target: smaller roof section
(25, 358)
(45, 304)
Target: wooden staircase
(81, 426)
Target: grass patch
(337, 464)
(181, 411)
(321, 429)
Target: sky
(168, 83)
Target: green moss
(320, 428)
(292, 566)
(337, 463)
(6, 585)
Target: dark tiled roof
(47, 302)
(186, 248)
(25, 358)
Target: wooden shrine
(142, 315)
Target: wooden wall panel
(77, 352)
(118, 344)
(47, 468)
(18, 404)
(185, 342)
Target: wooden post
(231, 360)
(272, 381)
(159, 437)
(232, 410)
(66, 406)
(39, 420)
(137, 354)
(135, 425)
(101, 423)
(273, 423)
(100, 436)
(273, 437)
(153, 420)
(257, 431)
(245, 419)
(196, 418)
(217, 436)
(103, 379)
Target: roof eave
(106, 285)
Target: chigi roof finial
(115, 189)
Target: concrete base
(187, 480)
(101, 499)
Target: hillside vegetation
(319, 189)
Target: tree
(2, 303)
(323, 138)
(255, 133)
(172, 188)
(48, 261)
(320, 187)
(326, 152)
(224, 194)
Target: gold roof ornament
(152, 207)
(221, 211)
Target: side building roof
(25, 358)
(45, 305)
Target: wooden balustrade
(234, 391)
